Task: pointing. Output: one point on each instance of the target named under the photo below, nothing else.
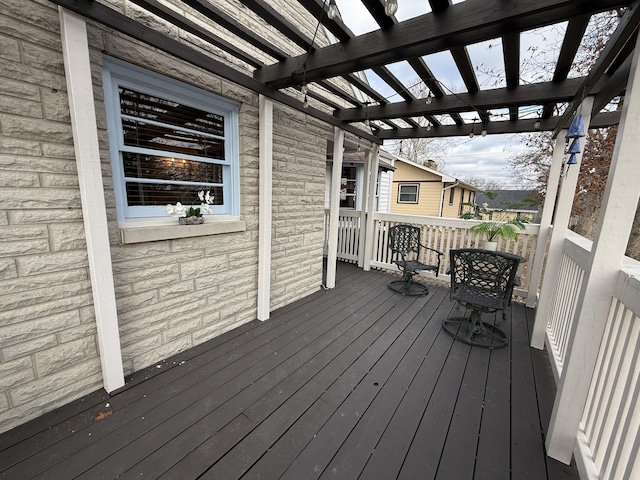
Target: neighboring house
(420, 190)
(510, 203)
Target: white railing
(445, 234)
(609, 434)
(349, 234)
(442, 234)
(608, 440)
(575, 257)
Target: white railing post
(614, 226)
(334, 216)
(371, 206)
(265, 201)
(560, 226)
(540, 326)
(362, 229)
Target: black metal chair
(406, 253)
(482, 281)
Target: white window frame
(359, 185)
(417, 192)
(117, 73)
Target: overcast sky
(481, 156)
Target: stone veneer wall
(172, 294)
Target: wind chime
(576, 130)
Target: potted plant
(494, 229)
(191, 215)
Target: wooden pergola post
(374, 157)
(366, 191)
(539, 328)
(75, 49)
(265, 212)
(560, 227)
(334, 207)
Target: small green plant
(492, 229)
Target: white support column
(336, 173)
(556, 244)
(539, 328)
(371, 207)
(614, 227)
(367, 191)
(265, 209)
(75, 50)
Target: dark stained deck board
(424, 453)
(354, 382)
(494, 441)
(545, 391)
(387, 458)
(382, 340)
(459, 452)
(328, 395)
(292, 382)
(527, 450)
(128, 405)
(73, 418)
(190, 405)
(350, 420)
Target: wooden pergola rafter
(330, 69)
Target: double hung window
(408, 193)
(168, 141)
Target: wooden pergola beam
(115, 20)
(572, 39)
(459, 25)
(227, 21)
(539, 93)
(623, 34)
(605, 119)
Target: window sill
(153, 230)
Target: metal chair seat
(489, 300)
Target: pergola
(322, 72)
(280, 75)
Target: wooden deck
(353, 383)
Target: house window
(349, 187)
(408, 193)
(452, 194)
(462, 202)
(168, 141)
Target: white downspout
(442, 196)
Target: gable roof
(445, 178)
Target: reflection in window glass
(151, 107)
(161, 194)
(144, 135)
(137, 165)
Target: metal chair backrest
(487, 274)
(403, 240)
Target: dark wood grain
(353, 382)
